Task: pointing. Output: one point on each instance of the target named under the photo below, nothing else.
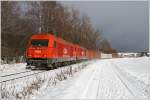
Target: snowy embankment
(27, 86)
(12, 68)
(120, 78)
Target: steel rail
(14, 73)
(22, 76)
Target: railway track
(10, 77)
(14, 74)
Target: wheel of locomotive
(55, 65)
(73, 62)
(59, 64)
(49, 67)
(68, 62)
(44, 66)
(63, 64)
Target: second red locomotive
(50, 51)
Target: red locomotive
(50, 51)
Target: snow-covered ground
(125, 78)
(120, 78)
(25, 86)
(12, 68)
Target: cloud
(124, 23)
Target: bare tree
(21, 19)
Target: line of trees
(21, 19)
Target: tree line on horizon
(21, 19)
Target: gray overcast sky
(125, 24)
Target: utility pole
(40, 17)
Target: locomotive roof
(47, 35)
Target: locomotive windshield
(39, 43)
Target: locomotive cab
(39, 50)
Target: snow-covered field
(12, 68)
(25, 87)
(120, 78)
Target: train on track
(48, 51)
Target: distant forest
(21, 19)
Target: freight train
(48, 51)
